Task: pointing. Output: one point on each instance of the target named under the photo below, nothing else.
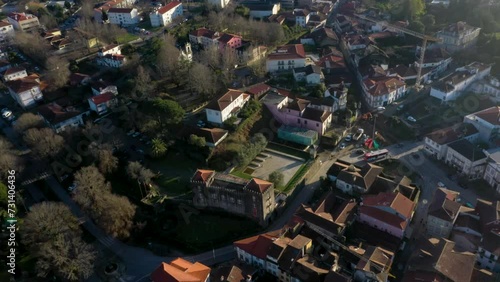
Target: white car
(72, 187)
(342, 146)
(380, 109)
(412, 119)
(441, 184)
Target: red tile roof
(259, 245)
(180, 270)
(54, 113)
(168, 7)
(102, 98)
(288, 52)
(204, 32)
(259, 89)
(14, 70)
(202, 175)
(226, 99)
(383, 85)
(20, 16)
(383, 216)
(396, 201)
(259, 185)
(491, 115)
(3, 24)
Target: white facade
(384, 98)
(489, 86)
(261, 13)
(492, 171)
(23, 21)
(27, 98)
(72, 122)
(165, 15)
(123, 16)
(19, 73)
(249, 259)
(6, 31)
(113, 61)
(473, 169)
(280, 65)
(219, 115)
(489, 130)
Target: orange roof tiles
(259, 185)
(202, 175)
(180, 270)
(168, 7)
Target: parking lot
(273, 160)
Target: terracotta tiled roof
(120, 10)
(180, 270)
(490, 115)
(22, 84)
(259, 89)
(383, 85)
(76, 78)
(224, 101)
(226, 37)
(13, 70)
(452, 133)
(202, 175)
(288, 52)
(168, 7)
(204, 32)
(383, 216)
(363, 177)
(259, 185)
(4, 24)
(395, 201)
(316, 115)
(444, 205)
(258, 245)
(54, 113)
(102, 98)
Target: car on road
(342, 146)
(348, 138)
(72, 187)
(380, 109)
(7, 114)
(412, 119)
(441, 184)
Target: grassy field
(122, 39)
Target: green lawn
(122, 39)
(295, 179)
(241, 174)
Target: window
(317, 124)
(298, 120)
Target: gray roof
(465, 148)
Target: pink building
(389, 212)
(229, 40)
(298, 113)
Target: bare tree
(87, 10)
(68, 257)
(114, 214)
(167, 59)
(210, 56)
(143, 85)
(106, 162)
(202, 79)
(57, 72)
(9, 158)
(33, 45)
(43, 142)
(27, 121)
(90, 184)
(136, 171)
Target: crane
(425, 39)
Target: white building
(310, 74)
(59, 118)
(112, 61)
(382, 91)
(466, 158)
(301, 17)
(258, 10)
(6, 31)
(489, 86)
(123, 16)
(226, 106)
(14, 73)
(286, 57)
(102, 103)
(164, 15)
(219, 3)
(450, 87)
(25, 91)
(112, 49)
(23, 21)
(436, 142)
(458, 36)
(487, 123)
(492, 171)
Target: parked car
(380, 109)
(348, 138)
(131, 132)
(441, 184)
(201, 123)
(72, 187)
(7, 114)
(412, 119)
(359, 152)
(342, 146)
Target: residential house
(442, 213)
(489, 86)
(204, 37)
(452, 86)
(409, 73)
(310, 74)
(321, 37)
(353, 42)
(250, 198)
(436, 142)
(332, 216)
(489, 247)
(466, 158)
(286, 57)
(6, 30)
(492, 171)
(253, 251)
(437, 59)
(25, 91)
(102, 103)
(59, 118)
(181, 270)
(101, 87)
(297, 113)
(23, 22)
(339, 95)
(487, 123)
(382, 91)
(219, 3)
(123, 16)
(212, 136)
(301, 17)
(467, 230)
(235, 272)
(112, 61)
(76, 79)
(113, 49)
(101, 11)
(14, 73)
(166, 14)
(227, 40)
(458, 36)
(333, 64)
(219, 110)
(341, 24)
(356, 181)
(390, 212)
(89, 40)
(437, 259)
(371, 263)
